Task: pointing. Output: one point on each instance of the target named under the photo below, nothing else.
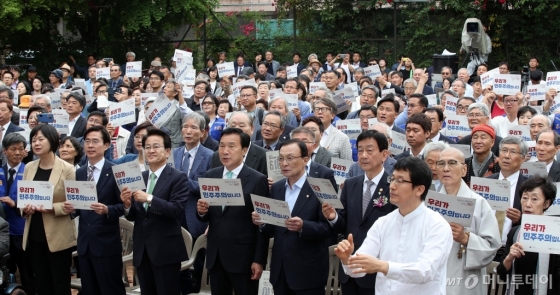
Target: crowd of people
(387, 240)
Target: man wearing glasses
(463, 105)
(511, 106)
(368, 97)
(409, 247)
(272, 127)
(156, 81)
(512, 154)
(446, 72)
(459, 86)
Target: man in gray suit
(389, 164)
(272, 64)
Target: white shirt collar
(548, 166)
(157, 172)
(436, 138)
(191, 151)
(15, 168)
(6, 125)
(512, 178)
(235, 171)
(419, 210)
(298, 183)
(419, 154)
(376, 178)
(99, 165)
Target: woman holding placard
(49, 234)
(528, 272)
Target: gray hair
(13, 138)
(249, 117)
(450, 69)
(328, 93)
(45, 97)
(554, 134)
(481, 106)
(450, 92)
(205, 116)
(305, 130)
(388, 130)
(541, 116)
(435, 146)
(410, 80)
(372, 87)
(203, 76)
(277, 113)
(198, 118)
(312, 56)
(330, 103)
(463, 69)
(464, 84)
(130, 53)
(513, 139)
(283, 99)
(360, 70)
(8, 90)
(267, 83)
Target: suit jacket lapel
(251, 157)
(330, 138)
(305, 193)
(381, 190)
(358, 192)
(319, 156)
(104, 175)
(244, 183)
(161, 180)
(56, 173)
(196, 162)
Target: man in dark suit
(158, 243)
(387, 111)
(321, 155)
(272, 128)
(512, 154)
(99, 236)
(418, 128)
(359, 214)
(297, 62)
(240, 64)
(6, 111)
(436, 117)
(547, 145)
(75, 104)
(299, 263)
(237, 251)
(256, 156)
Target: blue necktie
(186, 163)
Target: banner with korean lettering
(81, 194)
(553, 80)
(56, 100)
(291, 71)
(450, 105)
(271, 211)
(325, 192)
(554, 209)
(26, 134)
(273, 166)
(129, 175)
(495, 191)
(291, 100)
(453, 209)
(181, 53)
(354, 87)
(532, 151)
(507, 84)
(399, 144)
(23, 119)
(372, 72)
(351, 127)
(341, 168)
(103, 73)
(265, 286)
(456, 125)
(161, 111)
(221, 192)
(189, 77)
(533, 168)
(536, 92)
(384, 92)
(521, 131)
(145, 96)
(180, 70)
(226, 69)
(347, 94)
(487, 79)
(36, 193)
(341, 105)
(313, 86)
(134, 69)
(236, 88)
(61, 121)
(540, 233)
(432, 99)
(122, 113)
(273, 93)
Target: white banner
(354, 87)
(352, 127)
(554, 209)
(122, 113)
(456, 125)
(372, 72)
(273, 166)
(453, 209)
(226, 69)
(134, 69)
(36, 193)
(536, 92)
(325, 192)
(540, 234)
(61, 121)
(236, 88)
(495, 191)
(221, 192)
(271, 211)
(341, 168)
(81, 194)
(313, 86)
(129, 175)
(399, 144)
(450, 105)
(341, 105)
(533, 168)
(553, 80)
(291, 71)
(520, 130)
(507, 84)
(103, 73)
(160, 111)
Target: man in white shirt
(464, 75)
(409, 247)
(75, 104)
(502, 124)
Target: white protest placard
(507, 84)
(520, 130)
(221, 192)
(347, 94)
(555, 104)
(81, 194)
(354, 87)
(160, 111)
(450, 105)
(554, 209)
(341, 105)
(432, 99)
(553, 80)
(102, 102)
(495, 191)
(340, 168)
(540, 233)
(26, 134)
(180, 69)
(273, 166)
(536, 92)
(79, 80)
(226, 69)
(228, 115)
(188, 91)
(487, 79)
(61, 121)
(537, 109)
(273, 93)
(103, 73)
(134, 69)
(453, 209)
(371, 122)
(325, 192)
(89, 99)
(456, 125)
(533, 168)
(181, 53)
(129, 175)
(464, 148)
(291, 71)
(532, 150)
(56, 101)
(372, 72)
(145, 96)
(352, 127)
(384, 92)
(23, 119)
(291, 99)
(189, 77)
(122, 113)
(236, 88)
(313, 86)
(399, 144)
(271, 211)
(35, 193)
(265, 287)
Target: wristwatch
(149, 199)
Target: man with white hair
(389, 163)
(479, 114)
(43, 101)
(463, 74)
(431, 156)
(130, 57)
(538, 124)
(460, 87)
(473, 247)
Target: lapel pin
(307, 196)
(106, 174)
